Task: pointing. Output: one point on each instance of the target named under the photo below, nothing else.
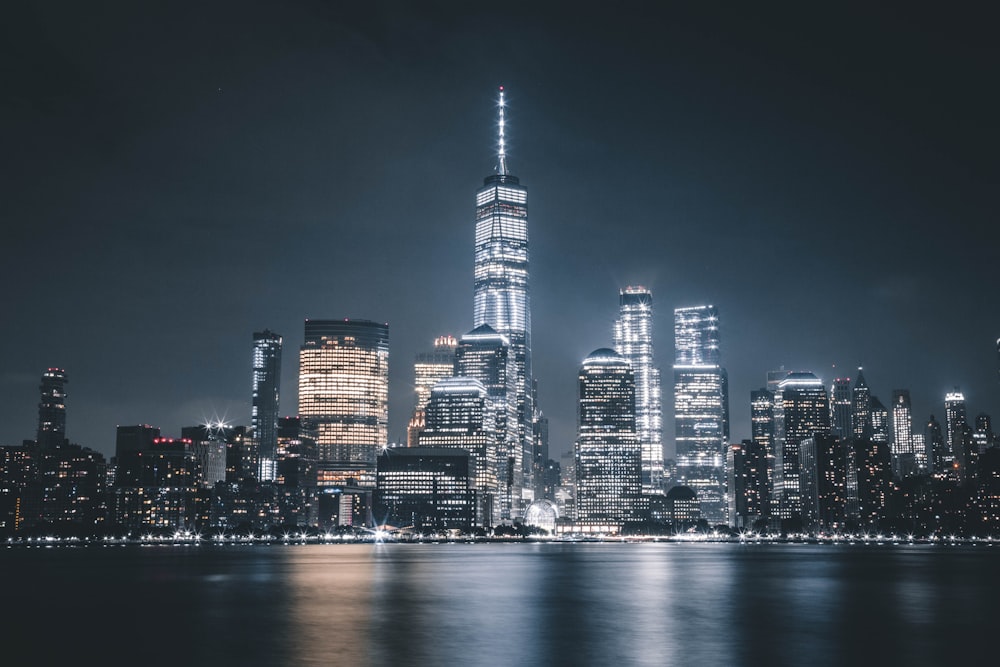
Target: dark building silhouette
(52, 409)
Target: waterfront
(514, 604)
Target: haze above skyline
(177, 177)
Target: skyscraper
(801, 410)
(607, 450)
(840, 408)
(701, 408)
(266, 385)
(904, 455)
(955, 423)
(501, 298)
(429, 367)
(634, 341)
(52, 409)
(861, 408)
(460, 414)
(344, 388)
(485, 355)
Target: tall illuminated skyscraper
(501, 298)
(634, 341)
(428, 368)
(485, 355)
(52, 409)
(840, 408)
(608, 454)
(801, 411)
(904, 453)
(701, 409)
(956, 420)
(266, 384)
(344, 388)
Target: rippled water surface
(501, 604)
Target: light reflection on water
(513, 604)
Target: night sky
(178, 175)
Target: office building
(840, 408)
(423, 489)
(501, 297)
(955, 423)
(344, 389)
(701, 409)
(264, 408)
(634, 340)
(52, 409)
(801, 410)
(429, 367)
(460, 415)
(904, 454)
(823, 482)
(608, 454)
(485, 355)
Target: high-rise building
(701, 409)
(634, 341)
(52, 409)
(861, 408)
(937, 448)
(485, 355)
(823, 481)
(344, 388)
(801, 410)
(608, 479)
(749, 483)
(460, 414)
(840, 408)
(266, 385)
(904, 455)
(429, 367)
(880, 421)
(955, 422)
(501, 298)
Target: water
(501, 604)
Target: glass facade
(634, 340)
(344, 388)
(485, 355)
(701, 409)
(460, 414)
(266, 385)
(608, 454)
(429, 367)
(801, 411)
(501, 298)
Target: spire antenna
(501, 145)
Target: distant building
(424, 488)
(344, 388)
(801, 410)
(904, 454)
(52, 409)
(823, 482)
(485, 355)
(749, 483)
(429, 367)
(840, 408)
(264, 410)
(608, 478)
(634, 341)
(701, 409)
(460, 415)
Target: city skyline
(220, 175)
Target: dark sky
(177, 175)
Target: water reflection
(515, 604)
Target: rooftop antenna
(501, 146)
